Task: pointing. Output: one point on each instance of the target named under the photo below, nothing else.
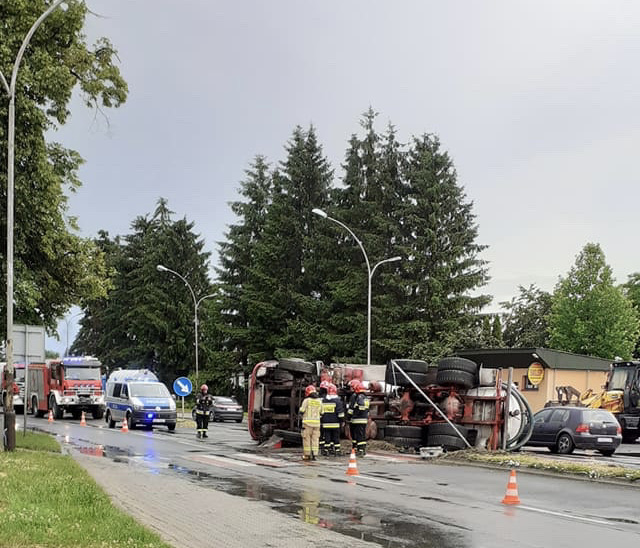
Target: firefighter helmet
(360, 387)
(204, 388)
(325, 385)
(353, 383)
(332, 389)
(309, 390)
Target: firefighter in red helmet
(322, 394)
(311, 410)
(359, 416)
(332, 418)
(204, 401)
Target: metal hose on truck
(526, 424)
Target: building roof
(522, 358)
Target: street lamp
(10, 89)
(196, 304)
(67, 322)
(370, 271)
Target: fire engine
(72, 384)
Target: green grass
(524, 460)
(48, 500)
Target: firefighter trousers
(310, 440)
(202, 423)
(359, 437)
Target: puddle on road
(388, 530)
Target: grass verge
(47, 500)
(523, 460)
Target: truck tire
(398, 379)
(56, 409)
(97, 413)
(297, 365)
(110, 422)
(401, 431)
(444, 428)
(456, 378)
(448, 443)
(411, 366)
(458, 364)
(399, 441)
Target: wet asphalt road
(396, 501)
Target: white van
(137, 396)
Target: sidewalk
(186, 514)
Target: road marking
(569, 516)
(379, 479)
(223, 461)
(265, 461)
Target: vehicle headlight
(137, 404)
(172, 405)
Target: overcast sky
(537, 103)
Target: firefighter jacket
(359, 410)
(311, 410)
(203, 403)
(332, 411)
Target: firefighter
(322, 392)
(332, 418)
(204, 401)
(359, 416)
(311, 410)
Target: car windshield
(82, 373)
(226, 401)
(598, 415)
(149, 390)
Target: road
(396, 501)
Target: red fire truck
(72, 384)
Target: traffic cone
(512, 490)
(125, 426)
(50, 419)
(352, 470)
(83, 420)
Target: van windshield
(148, 390)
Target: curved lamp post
(196, 304)
(370, 271)
(10, 89)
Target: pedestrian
(332, 418)
(204, 401)
(322, 392)
(359, 416)
(311, 410)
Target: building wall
(581, 380)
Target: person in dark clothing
(332, 418)
(322, 392)
(204, 401)
(359, 416)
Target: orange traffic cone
(83, 420)
(50, 419)
(352, 470)
(125, 426)
(512, 490)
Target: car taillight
(582, 428)
(619, 431)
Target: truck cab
(75, 386)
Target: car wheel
(130, 424)
(564, 444)
(607, 452)
(110, 422)
(171, 426)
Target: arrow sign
(182, 386)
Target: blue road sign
(182, 386)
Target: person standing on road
(332, 417)
(311, 410)
(359, 416)
(322, 392)
(204, 401)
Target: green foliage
(53, 267)
(589, 315)
(147, 319)
(632, 290)
(526, 319)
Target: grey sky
(535, 101)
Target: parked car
(223, 408)
(563, 429)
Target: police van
(138, 397)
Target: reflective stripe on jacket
(311, 410)
(333, 412)
(359, 412)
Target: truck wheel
(458, 364)
(411, 366)
(97, 413)
(399, 441)
(444, 428)
(110, 421)
(456, 378)
(293, 364)
(448, 443)
(171, 426)
(399, 431)
(56, 409)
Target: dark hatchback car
(563, 429)
(223, 409)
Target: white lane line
(266, 461)
(379, 479)
(569, 516)
(214, 459)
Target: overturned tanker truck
(453, 404)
